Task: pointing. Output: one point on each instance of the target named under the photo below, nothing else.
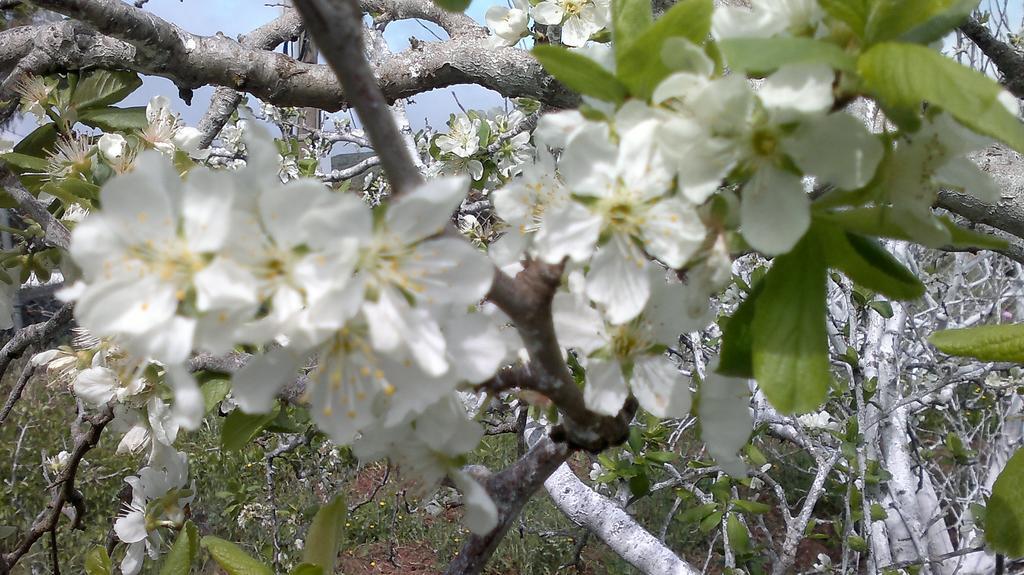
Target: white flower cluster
(579, 19)
(170, 267)
(473, 142)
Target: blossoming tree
(706, 217)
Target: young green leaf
(736, 358)
(580, 73)
(24, 162)
(853, 13)
(630, 18)
(307, 569)
(240, 428)
(233, 559)
(114, 119)
(101, 88)
(97, 562)
(790, 349)
(1004, 518)
(183, 553)
(325, 533)
(453, 5)
(697, 513)
(905, 75)
(214, 391)
(867, 263)
(916, 21)
(640, 66)
(751, 506)
(39, 142)
(739, 537)
(764, 55)
(987, 343)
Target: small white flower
(580, 19)
(508, 24)
(111, 146)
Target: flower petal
(618, 279)
(775, 211)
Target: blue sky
(234, 17)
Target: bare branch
(510, 490)
(55, 233)
(33, 334)
(64, 490)
(1009, 63)
(225, 100)
(337, 28)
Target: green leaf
(878, 512)
(214, 391)
(790, 349)
(739, 538)
(39, 142)
(916, 21)
(694, 514)
(72, 190)
(1004, 517)
(905, 75)
(24, 162)
(736, 357)
(869, 264)
(104, 87)
(964, 238)
(709, 523)
(987, 343)
(183, 552)
(640, 66)
(580, 73)
(883, 308)
(751, 506)
(857, 543)
(233, 559)
(853, 13)
(97, 562)
(240, 428)
(307, 569)
(661, 456)
(325, 534)
(115, 119)
(760, 56)
(453, 5)
(630, 18)
(640, 485)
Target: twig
(19, 387)
(64, 491)
(337, 28)
(33, 334)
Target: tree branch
(1006, 59)
(64, 490)
(192, 61)
(225, 100)
(337, 28)
(35, 333)
(510, 490)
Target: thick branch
(510, 490)
(192, 61)
(612, 525)
(225, 100)
(1009, 63)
